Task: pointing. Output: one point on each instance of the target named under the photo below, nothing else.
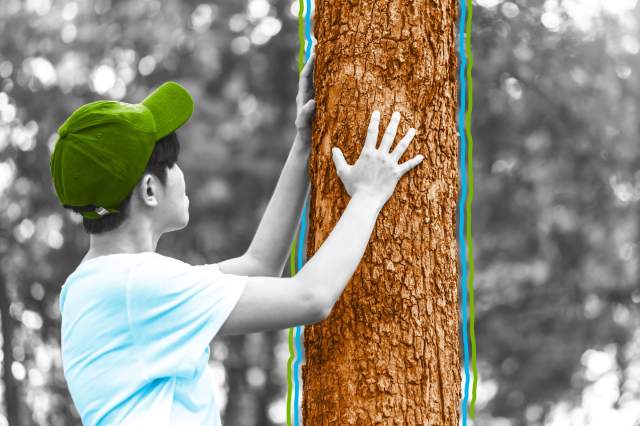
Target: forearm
(331, 267)
(272, 240)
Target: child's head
(161, 166)
(115, 163)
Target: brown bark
(389, 351)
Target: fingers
(308, 109)
(410, 164)
(308, 66)
(305, 114)
(305, 83)
(403, 144)
(339, 161)
(309, 106)
(372, 132)
(390, 133)
(307, 70)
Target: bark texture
(389, 351)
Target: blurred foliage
(239, 60)
(556, 218)
(557, 185)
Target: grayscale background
(555, 212)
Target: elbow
(263, 269)
(325, 313)
(322, 307)
(320, 313)
(271, 271)
(317, 303)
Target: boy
(136, 325)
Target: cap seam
(67, 130)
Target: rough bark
(389, 351)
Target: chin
(179, 225)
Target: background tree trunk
(238, 409)
(272, 387)
(11, 389)
(389, 351)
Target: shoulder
(158, 264)
(158, 273)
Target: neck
(128, 238)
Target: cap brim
(171, 106)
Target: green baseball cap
(104, 146)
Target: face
(171, 204)
(176, 202)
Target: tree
(556, 137)
(11, 389)
(389, 351)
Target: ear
(148, 190)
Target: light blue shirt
(136, 330)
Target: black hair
(164, 156)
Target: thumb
(339, 161)
(309, 106)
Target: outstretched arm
(272, 241)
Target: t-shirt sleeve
(175, 309)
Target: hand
(376, 171)
(305, 104)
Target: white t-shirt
(136, 330)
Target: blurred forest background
(555, 213)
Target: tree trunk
(271, 387)
(11, 389)
(389, 351)
(238, 409)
